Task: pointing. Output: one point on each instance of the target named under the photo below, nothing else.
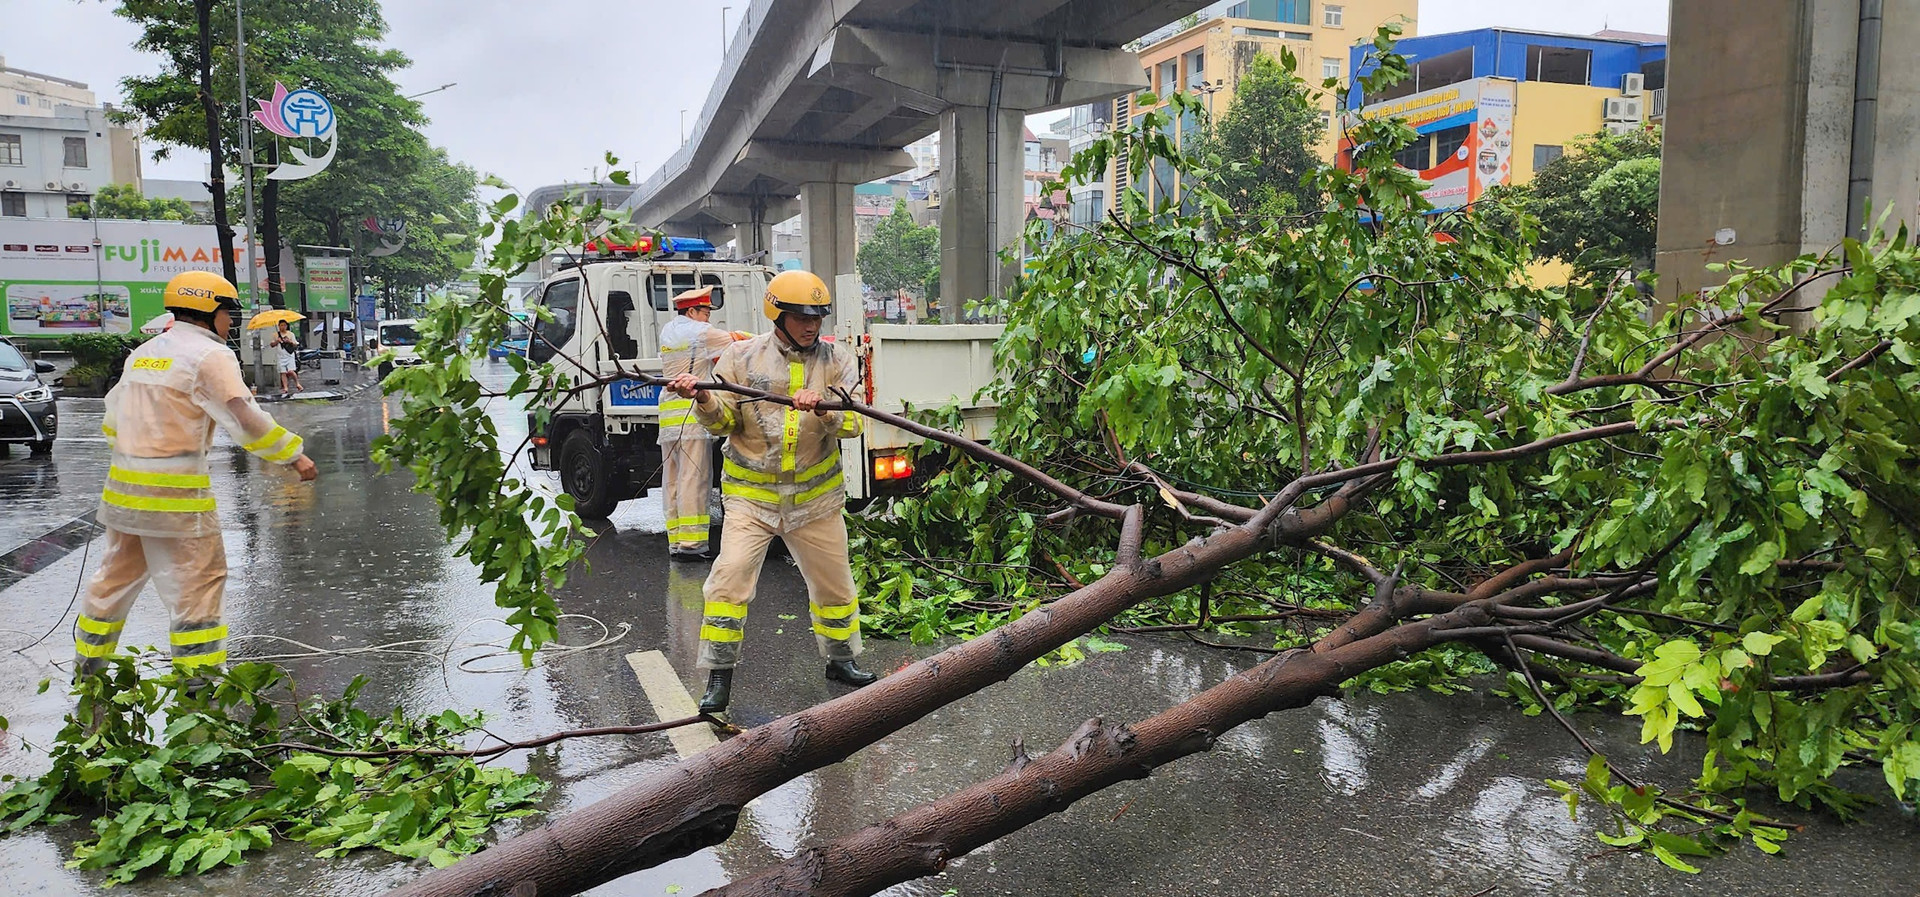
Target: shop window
(1417, 156)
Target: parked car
(28, 413)
(515, 341)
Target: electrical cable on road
(446, 647)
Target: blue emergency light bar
(689, 245)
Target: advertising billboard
(1466, 138)
(66, 276)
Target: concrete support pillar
(982, 201)
(826, 221)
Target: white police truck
(606, 315)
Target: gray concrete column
(982, 201)
(826, 222)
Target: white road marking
(671, 700)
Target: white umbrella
(158, 324)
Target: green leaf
(1667, 856)
(1760, 644)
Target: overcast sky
(544, 89)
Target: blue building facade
(1439, 60)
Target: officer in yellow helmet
(158, 507)
(780, 476)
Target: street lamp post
(435, 90)
(246, 172)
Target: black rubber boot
(846, 671)
(719, 691)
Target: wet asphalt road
(1407, 794)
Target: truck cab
(606, 318)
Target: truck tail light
(539, 442)
(892, 467)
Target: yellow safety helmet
(800, 292)
(200, 291)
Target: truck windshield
(398, 335)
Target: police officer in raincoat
(780, 476)
(158, 507)
(689, 344)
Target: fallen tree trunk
(697, 803)
(922, 841)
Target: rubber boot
(719, 691)
(846, 671)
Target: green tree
(1266, 141)
(902, 255)
(125, 202)
(1599, 204)
(384, 165)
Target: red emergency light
(639, 246)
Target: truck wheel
(584, 475)
(42, 448)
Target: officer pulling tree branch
(781, 476)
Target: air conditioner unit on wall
(53, 185)
(1630, 109)
(77, 187)
(1633, 84)
(1617, 128)
(10, 185)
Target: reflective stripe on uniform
(149, 503)
(286, 454)
(836, 482)
(790, 428)
(849, 425)
(101, 627)
(85, 649)
(841, 634)
(108, 432)
(165, 480)
(738, 490)
(273, 436)
(829, 463)
(716, 634)
(722, 424)
(676, 405)
(739, 472)
(723, 609)
(196, 660)
(678, 420)
(199, 636)
(678, 522)
(835, 611)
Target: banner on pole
(327, 285)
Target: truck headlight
(36, 395)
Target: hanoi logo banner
(299, 115)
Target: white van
(399, 337)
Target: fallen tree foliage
(1703, 516)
